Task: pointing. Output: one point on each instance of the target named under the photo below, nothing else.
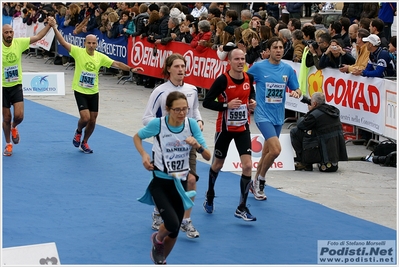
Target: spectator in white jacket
(177, 12)
(198, 10)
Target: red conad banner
(201, 70)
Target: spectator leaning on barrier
(335, 56)
(72, 15)
(126, 24)
(113, 25)
(202, 40)
(173, 32)
(93, 18)
(152, 26)
(104, 22)
(141, 20)
(163, 23)
(184, 35)
(60, 15)
(380, 64)
(314, 55)
(17, 11)
(362, 54)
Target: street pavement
(361, 189)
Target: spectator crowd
(359, 43)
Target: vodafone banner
(284, 162)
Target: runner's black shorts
(12, 95)
(89, 102)
(241, 139)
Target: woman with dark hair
(174, 71)
(335, 56)
(169, 166)
(141, 20)
(128, 27)
(152, 25)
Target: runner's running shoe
(244, 214)
(257, 188)
(190, 230)
(15, 135)
(208, 203)
(156, 221)
(157, 255)
(84, 146)
(8, 150)
(76, 139)
(208, 207)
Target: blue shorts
(268, 129)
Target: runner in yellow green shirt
(88, 62)
(12, 50)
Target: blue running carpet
(86, 204)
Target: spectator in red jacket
(202, 40)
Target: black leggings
(169, 203)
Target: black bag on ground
(385, 153)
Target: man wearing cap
(380, 64)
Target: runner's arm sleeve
(196, 112)
(197, 134)
(151, 108)
(218, 86)
(252, 94)
(151, 129)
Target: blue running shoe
(208, 207)
(76, 139)
(84, 146)
(244, 214)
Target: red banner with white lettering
(201, 70)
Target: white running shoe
(257, 188)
